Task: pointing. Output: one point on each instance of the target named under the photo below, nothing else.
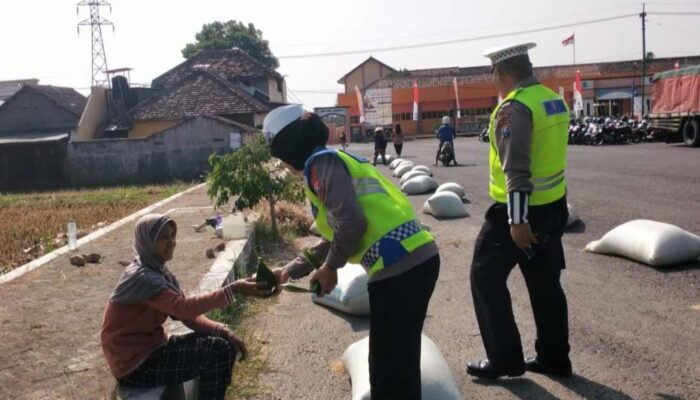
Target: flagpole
(574, 51)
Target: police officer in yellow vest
(365, 219)
(527, 163)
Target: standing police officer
(527, 160)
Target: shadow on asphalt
(525, 388)
(578, 227)
(357, 324)
(680, 268)
(456, 166)
(664, 396)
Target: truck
(675, 108)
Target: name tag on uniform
(553, 107)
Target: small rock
(123, 263)
(210, 253)
(78, 261)
(221, 246)
(93, 258)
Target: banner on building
(360, 104)
(578, 93)
(459, 109)
(377, 104)
(415, 100)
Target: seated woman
(137, 349)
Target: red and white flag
(568, 41)
(578, 92)
(360, 104)
(459, 109)
(415, 100)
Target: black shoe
(484, 369)
(562, 370)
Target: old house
(201, 93)
(35, 124)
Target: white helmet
(445, 120)
(279, 118)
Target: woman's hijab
(147, 275)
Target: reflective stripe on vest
(393, 230)
(550, 119)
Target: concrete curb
(32, 265)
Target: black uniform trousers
(495, 256)
(399, 305)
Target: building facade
(611, 88)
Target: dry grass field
(33, 224)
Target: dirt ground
(50, 318)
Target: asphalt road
(634, 331)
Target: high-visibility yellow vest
(550, 120)
(393, 230)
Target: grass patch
(34, 223)
(293, 220)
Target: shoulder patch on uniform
(556, 106)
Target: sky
(40, 38)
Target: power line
(624, 7)
(453, 41)
(679, 13)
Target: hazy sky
(39, 37)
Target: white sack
(452, 187)
(437, 382)
(573, 216)
(426, 208)
(419, 185)
(389, 158)
(446, 204)
(350, 295)
(395, 163)
(423, 168)
(402, 169)
(411, 174)
(649, 242)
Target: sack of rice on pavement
(649, 242)
(402, 169)
(423, 168)
(350, 295)
(445, 204)
(411, 174)
(419, 185)
(395, 163)
(437, 381)
(389, 158)
(452, 187)
(573, 216)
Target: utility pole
(99, 57)
(643, 16)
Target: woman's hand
(249, 287)
(282, 277)
(236, 343)
(327, 277)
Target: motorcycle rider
(446, 133)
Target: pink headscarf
(146, 276)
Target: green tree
(226, 35)
(250, 175)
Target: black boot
(560, 370)
(484, 369)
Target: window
(355, 120)
(280, 85)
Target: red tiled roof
(200, 93)
(231, 65)
(482, 74)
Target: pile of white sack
(437, 381)
(649, 242)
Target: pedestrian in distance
(380, 143)
(446, 134)
(363, 218)
(397, 139)
(138, 351)
(524, 226)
